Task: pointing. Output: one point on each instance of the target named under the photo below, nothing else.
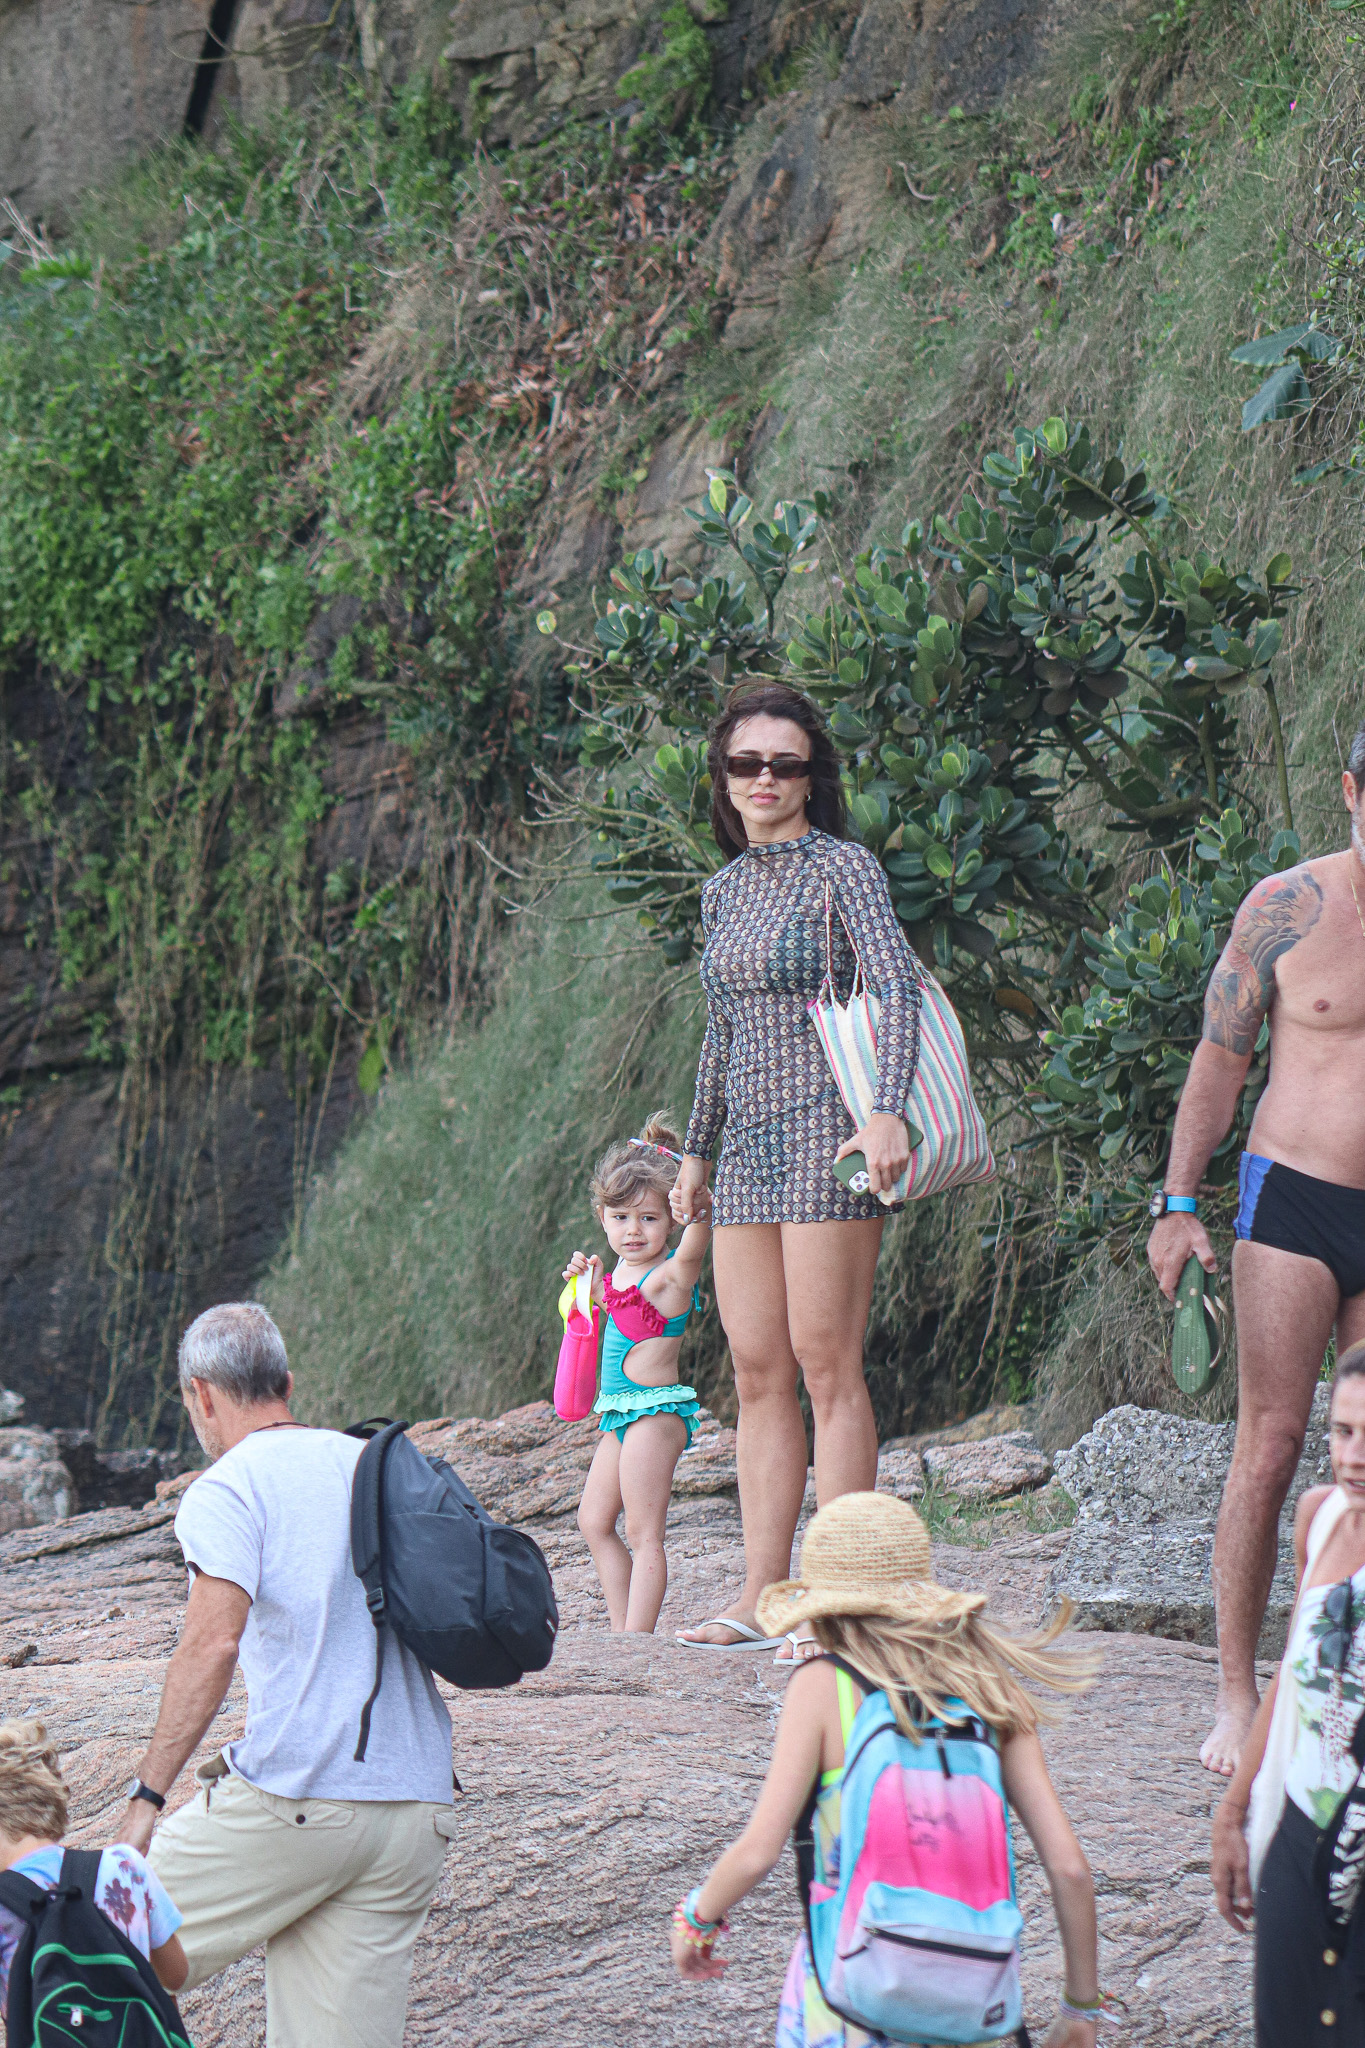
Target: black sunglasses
(1334, 1644)
(783, 768)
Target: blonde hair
(627, 1170)
(963, 1658)
(33, 1794)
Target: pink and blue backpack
(917, 1936)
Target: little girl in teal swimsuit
(647, 1418)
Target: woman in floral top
(795, 1251)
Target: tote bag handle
(859, 987)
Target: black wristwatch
(137, 1790)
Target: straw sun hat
(866, 1553)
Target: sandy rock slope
(597, 1791)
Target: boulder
(527, 64)
(1148, 1486)
(900, 1470)
(1003, 1420)
(528, 1466)
(991, 1469)
(35, 1486)
(11, 1407)
(112, 1479)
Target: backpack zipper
(943, 1948)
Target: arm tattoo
(1243, 982)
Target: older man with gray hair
(289, 1841)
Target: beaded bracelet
(696, 1933)
(1105, 2007)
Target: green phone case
(854, 1162)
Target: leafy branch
(983, 679)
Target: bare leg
(597, 1513)
(795, 1296)
(649, 1454)
(1285, 1306)
(751, 1290)
(830, 1268)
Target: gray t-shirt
(273, 1515)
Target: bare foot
(726, 1632)
(1223, 1744)
(796, 1648)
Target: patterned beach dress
(763, 1070)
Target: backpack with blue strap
(917, 1937)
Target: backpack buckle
(374, 1600)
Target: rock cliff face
(233, 1149)
(82, 90)
(85, 88)
(87, 85)
(597, 1792)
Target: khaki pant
(336, 1889)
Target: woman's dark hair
(825, 807)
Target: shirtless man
(1297, 955)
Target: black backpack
(75, 1975)
(470, 1597)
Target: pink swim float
(576, 1373)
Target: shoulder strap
(832, 910)
(21, 1894)
(1329, 1513)
(80, 1872)
(849, 1703)
(365, 1430)
(367, 1552)
(849, 1670)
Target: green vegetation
(1094, 259)
(974, 700)
(323, 374)
(352, 372)
(461, 1198)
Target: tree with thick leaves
(1006, 704)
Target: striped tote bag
(955, 1149)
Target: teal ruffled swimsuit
(632, 1320)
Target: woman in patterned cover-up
(795, 1252)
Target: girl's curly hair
(33, 1795)
(629, 1169)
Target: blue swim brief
(1315, 1219)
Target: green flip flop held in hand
(1197, 1342)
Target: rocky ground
(596, 1792)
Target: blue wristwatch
(1161, 1202)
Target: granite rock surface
(1147, 1487)
(598, 1790)
(989, 1470)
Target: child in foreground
(33, 1802)
(928, 1706)
(647, 1417)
